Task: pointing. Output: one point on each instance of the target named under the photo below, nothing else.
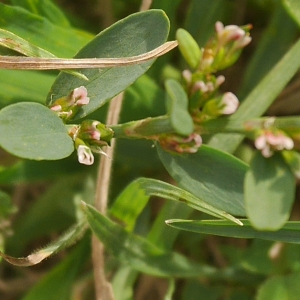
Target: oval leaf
(269, 192)
(181, 120)
(137, 34)
(213, 176)
(31, 130)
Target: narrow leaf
(32, 27)
(177, 104)
(67, 239)
(289, 233)
(211, 175)
(44, 8)
(31, 130)
(133, 199)
(137, 252)
(293, 8)
(16, 43)
(269, 192)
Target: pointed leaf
(211, 175)
(289, 233)
(32, 27)
(137, 252)
(44, 8)
(31, 130)
(16, 43)
(134, 35)
(269, 192)
(133, 199)
(181, 120)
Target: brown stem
(145, 5)
(102, 286)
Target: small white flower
(85, 155)
(229, 103)
(80, 96)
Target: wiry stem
(103, 287)
(145, 5)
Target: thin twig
(145, 5)
(103, 287)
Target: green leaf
(202, 16)
(137, 252)
(177, 104)
(280, 287)
(293, 8)
(129, 204)
(269, 192)
(292, 158)
(60, 280)
(274, 42)
(16, 43)
(134, 198)
(261, 97)
(123, 283)
(61, 41)
(211, 175)
(21, 86)
(6, 205)
(134, 35)
(289, 233)
(31, 130)
(188, 48)
(44, 8)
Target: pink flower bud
(187, 75)
(229, 33)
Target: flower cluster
(225, 47)
(204, 100)
(66, 107)
(90, 137)
(269, 141)
(202, 85)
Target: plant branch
(102, 286)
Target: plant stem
(145, 5)
(102, 286)
(151, 128)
